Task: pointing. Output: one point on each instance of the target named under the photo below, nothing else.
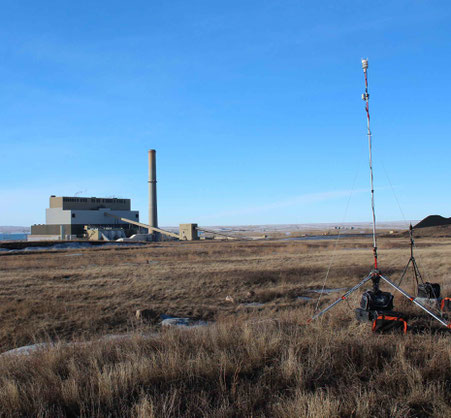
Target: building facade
(68, 216)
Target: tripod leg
(404, 272)
(415, 301)
(417, 271)
(415, 277)
(344, 297)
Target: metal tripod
(416, 271)
(376, 276)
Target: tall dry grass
(260, 361)
(237, 368)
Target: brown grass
(261, 361)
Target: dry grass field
(260, 360)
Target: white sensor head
(365, 64)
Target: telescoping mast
(375, 302)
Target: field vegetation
(258, 356)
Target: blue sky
(254, 108)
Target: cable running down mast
(366, 97)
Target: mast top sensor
(364, 64)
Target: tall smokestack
(153, 217)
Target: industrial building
(70, 217)
(97, 218)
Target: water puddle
(327, 291)
(325, 237)
(252, 304)
(30, 349)
(183, 323)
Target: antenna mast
(366, 97)
(375, 275)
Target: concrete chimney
(153, 217)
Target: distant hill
(433, 220)
(441, 231)
(14, 229)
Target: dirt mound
(441, 231)
(433, 220)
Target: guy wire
(338, 238)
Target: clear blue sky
(254, 107)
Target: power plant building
(68, 216)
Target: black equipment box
(364, 316)
(445, 305)
(367, 316)
(376, 301)
(429, 290)
(386, 323)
